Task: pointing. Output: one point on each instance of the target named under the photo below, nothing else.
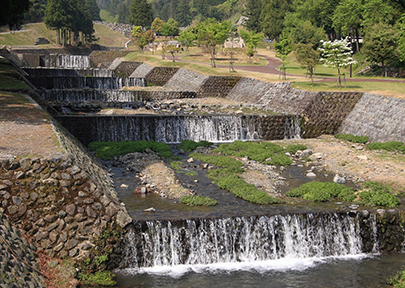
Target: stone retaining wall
(185, 80)
(158, 76)
(142, 71)
(124, 68)
(217, 86)
(21, 271)
(326, 112)
(379, 117)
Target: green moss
(388, 146)
(352, 138)
(175, 165)
(107, 150)
(292, 149)
(198, 201)
(399, 280)
(377, 194)
(322, 191)
(189, 145)
(104, 278)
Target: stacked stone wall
(325, 114)
(103, 59)
(185, 80)
(160, 75)
(21, 271)
(124, 68)
(142, 71)
(379, 117)
(249, 90)
(217, 86)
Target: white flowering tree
(336, 54)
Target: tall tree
(182, 15)
(187, 37)
(253, 11)
(284, 48)
(170, 28)
(140, 13)
(307, 57)
(12, 12)
(212, 33)
(381, 45)
(251, 39)
(93, 9)
(36, 12)
(272, 16)
(157, 25)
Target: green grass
(9, 77)
(227, 178)
(190, 145)
(263, 152)
(106, 16)
(352, 138)
(399, 280)
(322, 191)
(198, 201)
(388, 146)
(293, 148)
(107, 150)
(103, 278)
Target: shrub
(389, 146)
(399, 280)
(322, 191)
(198, 201)
(378, 194)
(189, 145)
(107, 150)
(352, 138)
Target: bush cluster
(322, 191)
(198, 201)
(388, 146)
(107, 150)
(190, 145)
(377, 194)
(263, 152)
(352, 138)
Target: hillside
(30, 32)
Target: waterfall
(292, 128)
(174, 129)
(74, 95)
(87, 82)
(67, 61)
(59, 72)
(241, 239)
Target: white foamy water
(284, 264)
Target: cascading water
(89, 82)
(242, 239)
(292, 128)
(74, 95)
(67, 61)
(59, 72)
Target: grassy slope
(31, 32)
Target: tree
(93, 9)
(212, 33)
(381, 45)
(157, 25)
(307, 57)
(307, 33)
(187, 38)
(140, 13)
(401, 42)
(347, 17)
(283, 48)
(36, 12)
(251, 39)
(170, 28)
(172, 49)
(336, 54)
(272, 16)
(139, 37)
(253, 10)
(182, 14)
(12, 13)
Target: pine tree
(140, 13)
(12, 12)
(183, 13)
(93, 9)
(253, 10)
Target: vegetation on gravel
(377, 194)
(293, 148)
(352, 138)
(227, 178)
(190, 145)
(323, 191)
(104, 278)
(263, 152)
(399, 280)
(107, 150)
(388, 146)
(198, 201)
(372, 193)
